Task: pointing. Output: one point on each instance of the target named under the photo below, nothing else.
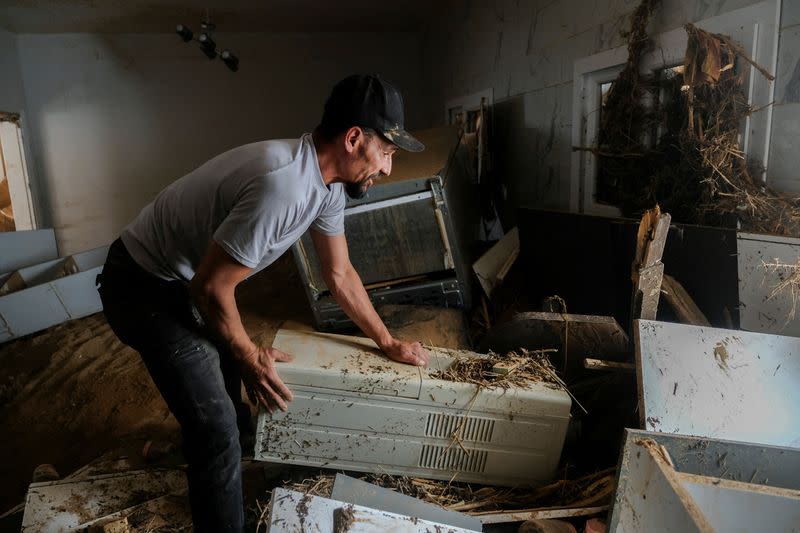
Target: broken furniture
(687, 484)
(574, 336)
(718, 383)
(75, 504)
(295, 511)
(354, 409)
(587, 261)
(493, 266)
(33, 298)
(410, 237)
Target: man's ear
(352, 138)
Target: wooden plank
(493, 266)
(683, 304)
(540, 514)
(647, 292)
(648, 270)
(598, 364)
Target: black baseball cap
(369, 101)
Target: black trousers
(197, 377)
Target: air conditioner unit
(354, 409)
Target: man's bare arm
(346, 286)
(213, 291)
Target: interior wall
(115, 118)
(525, 52)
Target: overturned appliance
(354, 409)
(409, 237)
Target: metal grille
(452, 458)
(475, 429)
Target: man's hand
(411, 353)
(262, 381)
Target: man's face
(372, 161)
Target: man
(168, 283)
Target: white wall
(12, 94)
(525, 51)
(115, 118)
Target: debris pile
(591, 490)
(509, 370)
(682, 150)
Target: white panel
(646, 499)
(78, 293)
(91, 258)
(744, 507)
(19, 249)
(64, 505)
(295, 511)
(759, 309)
(718, 383)
(39, 307)
(30, 310)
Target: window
(755, 28)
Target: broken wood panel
(542, 514)
(647, 292)
(682, 303)
(597, 364)
(718, 383)
(492, 267)
(581, 336)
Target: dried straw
(591, 490)
(532, 366)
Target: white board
(295, 511)
(718, 383)
(762, 308)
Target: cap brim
(403, 140)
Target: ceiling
(156, 16)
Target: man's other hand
(262, 381)
(411, 353)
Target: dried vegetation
(672, 138)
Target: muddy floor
(73, 393)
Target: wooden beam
(647, 270)
(682, 303)
(520, 516)
(599, 364)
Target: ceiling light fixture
(207, 44)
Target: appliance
(410, 237)
(354, 409)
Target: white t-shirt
(255, 201)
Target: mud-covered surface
(74, 392)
